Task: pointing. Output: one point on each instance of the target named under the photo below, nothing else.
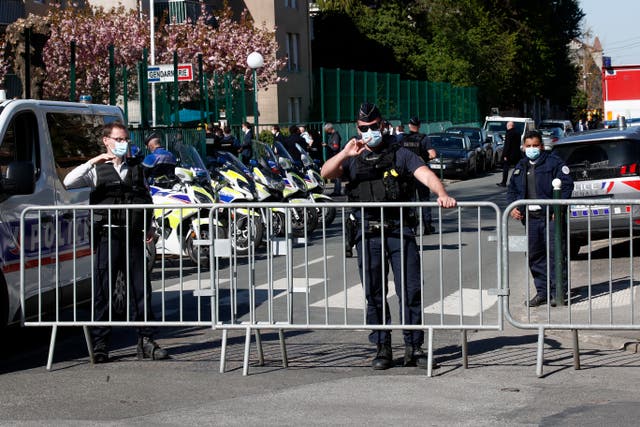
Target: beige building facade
(289, 101)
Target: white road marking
(473, 302)
(451, 304)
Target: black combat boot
(384, 357)
(149, 349)
(414, 356)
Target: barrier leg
(465, 350)
(87, 338)
(52, 345)
(259, 348)
(247, 344)
(430, 353)
(540, 355)
(223, 351)
(283, 349)
(576, 350)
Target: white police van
(40, 142)
(498, 124)
(605, 165)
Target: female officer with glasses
(116, 178)
(379, 170)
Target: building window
(293, 109)
(293, 4)
(293, 43)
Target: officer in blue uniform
(531, 179)
(380, 170)
(419, 143)
(159, 162)
(116, 178)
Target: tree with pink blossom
(224, 48)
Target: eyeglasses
(372, 126)
(119, 139)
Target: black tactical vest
(412, 141)
(112, 190)
(376, 180)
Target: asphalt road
(328, 380)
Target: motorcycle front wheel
(246, 230)
(201, 251)
(298, 221)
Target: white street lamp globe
(255, 60)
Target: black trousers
(402, 252)
(112, 286)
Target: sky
(617, 25)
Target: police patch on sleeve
(565, 170)
(516, 172)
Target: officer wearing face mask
(117, 178)
(380, 170)
(531, 179)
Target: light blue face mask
(373, 138)
(120, 149)
(532, 153)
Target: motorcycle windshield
(232, 162)
(190, 159)
(305, 157)
(265, 156)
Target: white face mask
(120, 149)
(372, 137)
(532, 153)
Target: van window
(75, 138)
(20, 142)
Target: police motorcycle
(179, 228)
(232, 183)
(269, 186)
(316, 186)
(294, 189)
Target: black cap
(368, 112)
(152, 135)
(415, 121)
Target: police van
(605, 165)
(40, 142)
(498, 124)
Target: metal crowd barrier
(598, 266)
(222, 274)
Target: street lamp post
(255, 61)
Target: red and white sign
(163, 73)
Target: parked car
(497, 139)
(480, 141)
(565, 125)
(550, 136)
(456, 156)
(604, 166)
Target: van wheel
(4, 303)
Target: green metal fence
(340, 92)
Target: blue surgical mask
(120, 149)
(532, 153)
(373, 138)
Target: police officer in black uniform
(379, 170)
(419, 143)
(531, 179)
(115, 179)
